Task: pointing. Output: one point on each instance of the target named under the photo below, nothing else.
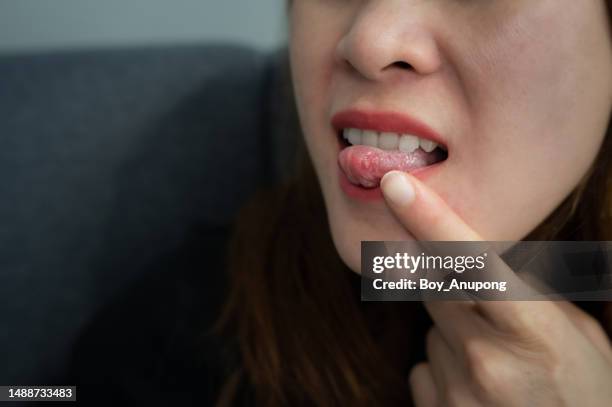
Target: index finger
(429, 218)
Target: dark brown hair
(304, 337)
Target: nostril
(403, 65)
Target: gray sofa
(108, 158)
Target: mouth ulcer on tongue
(366, 165)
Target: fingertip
(398, 188)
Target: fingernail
(397, 188)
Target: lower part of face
(520, 92)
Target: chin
(349, 230)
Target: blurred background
(105, 151)
(35, 25)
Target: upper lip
(384, 121)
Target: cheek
(538, 116)
(312, 40)
(312, 53)
(542, 78)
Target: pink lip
(384, 121)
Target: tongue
(365, 165)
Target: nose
(390, 35)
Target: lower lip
(362, 194)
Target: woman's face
(519, 93)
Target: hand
(498, 353)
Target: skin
(521, 91)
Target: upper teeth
(388, 141)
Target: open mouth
(367, 155)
